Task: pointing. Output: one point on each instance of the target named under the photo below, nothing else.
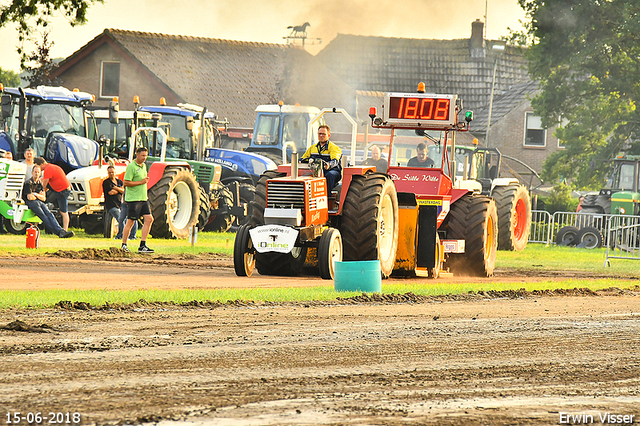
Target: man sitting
(329, 153)
(34, 196)
(421, 160)
(376, 160)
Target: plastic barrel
(360, 275)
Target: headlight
(71, 158)
(82, 197)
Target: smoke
(431, 19)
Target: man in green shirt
(135, 195)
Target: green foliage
(9, 78)
(31, 15)
(560, 199)
(42, 64)
(585, 56)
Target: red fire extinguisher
(33, 237)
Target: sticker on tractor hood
(273, 238)
(224, 163)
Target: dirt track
(509, 358)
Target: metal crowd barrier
(624, 238)
(620, 233)
(540, 227)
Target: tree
(586, 56)
(9, 78)
(43, 65)
(33, 14)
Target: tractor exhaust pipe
(294, 165)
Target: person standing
(113, 189)
(421, 160)
(135, 183)
(34, 196)
(376, 160)
(29, 155)
(329, 153)
(54, 176)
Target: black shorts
(137, 209)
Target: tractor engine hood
(71, 151)
(239, 162)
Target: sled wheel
(567, 236)
(589, 237)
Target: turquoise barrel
(360, 275)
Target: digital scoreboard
(420, 109)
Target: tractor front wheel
(15, 228)
(244, 260)
(175, 204)
(329, 252)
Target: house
(515, 130)
(230, 78)
(463, 66)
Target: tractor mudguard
(156, 170)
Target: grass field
(535, 257)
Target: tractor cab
(281, 130)
(52, 121)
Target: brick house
(515, 130)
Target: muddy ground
(490, 358)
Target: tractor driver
(330, 153)
(421, 160)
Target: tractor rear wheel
(514, 216)
(287, 264)
(175, 204)
(329, 252)
(247, 194)
(260, 197)
(205, 208)
(370, 221)
(222, 200)
(473, 218)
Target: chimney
(476, 42)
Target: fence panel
(623, 240)
(540, 227)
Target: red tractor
(410, 218)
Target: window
(110, 79)
(535, 134)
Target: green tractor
(620, 196)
